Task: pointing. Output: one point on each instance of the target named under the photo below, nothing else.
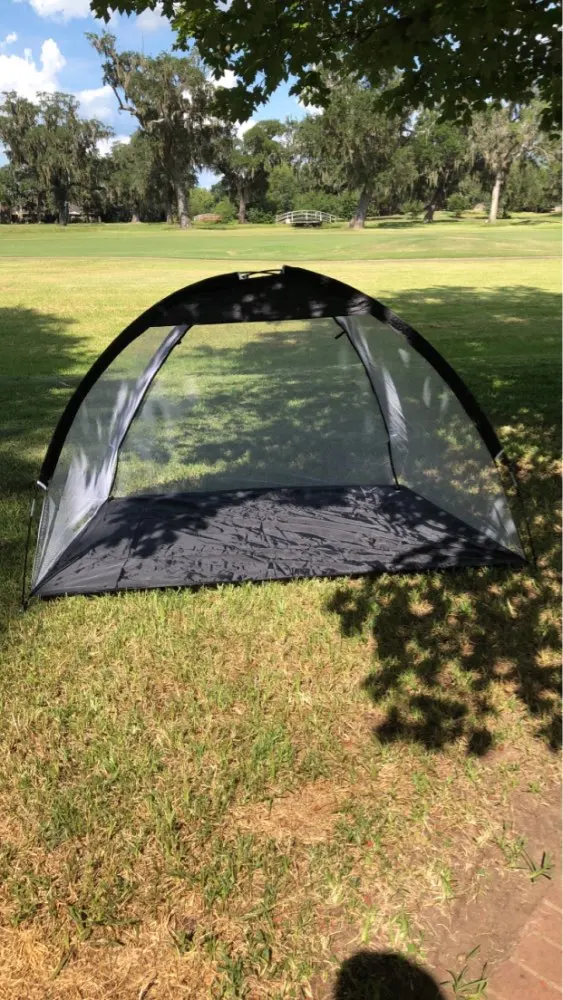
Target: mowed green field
(524, 235)
(225, 793)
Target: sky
(42, 47)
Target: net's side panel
(82, 479)
(436, 448)
(251, 405)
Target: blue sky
(42, 47)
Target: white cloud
(310, 109)
(228, 80)
(243, 127)
(26, 77)
(152, 20)
(63, 10)
(8, 40)
(105, 146)
(99, 102)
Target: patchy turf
(227, 792)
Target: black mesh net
(332, 405)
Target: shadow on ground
(445, 643)
(36, 351)
(410, 223)
(370, 975)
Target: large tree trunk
(63, 213)
(168, 205)
(359, 219)
(495, 197)
(182, 205)
(429, 210)
(242, 208)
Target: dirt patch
(307, 815)
(493, 918)
(495, 896)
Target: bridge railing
(305, 217)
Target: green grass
(225, 792)
(524, 235)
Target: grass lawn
(223, 793)
(523, 235)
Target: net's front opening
(269, 451)
(256, 405)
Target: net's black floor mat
(193, 539)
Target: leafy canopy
(442, 155)
(246, 162)
(452, 53)
(354, 144)
(50, 145)
(173, 102)
(170, 98)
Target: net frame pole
(366, 365)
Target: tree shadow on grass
(36, 351)
(446, 644)
(411, 223)
(443, 643)
(537, 222)
(371, 975)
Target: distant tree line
(357, 157)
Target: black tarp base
(192, 539)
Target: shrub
(225, 209)
(259, 215)
(457, 204)
(413, 209)
(201, 201)
(472, 189)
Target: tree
(52, 145)
(284, 189)
(531, 187)
(135, 183)
(172, 100)
(18, 193)
(394, 182)
(442, 155)
(245, 163)
(501, 136)
(65, 146)
(456, 53)
(351, 144)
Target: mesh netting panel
(252, 405)
(85, 469)
(435, 446)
